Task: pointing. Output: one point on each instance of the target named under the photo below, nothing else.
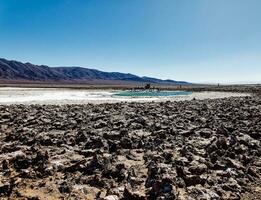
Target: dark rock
(4, 189)
(129, 195)
(198, 169)
(65, 187)
(192, 180)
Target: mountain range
(12, 71)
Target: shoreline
(73, 96)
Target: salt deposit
(10, 95)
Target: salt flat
(11, 95)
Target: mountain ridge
(11, 70)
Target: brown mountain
(11, 70)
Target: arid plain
(191, 149)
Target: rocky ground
(207, 149)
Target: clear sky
(191, 40)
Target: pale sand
(10, 95)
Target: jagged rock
(5, 115)
(100, 124)
(205, 133)
(198, 169)
(5, 165)
(129, 195)
(112, 135)
(202, 193)
(4, 189)
(192, 180)
(248, 141)
(111, 197)
(65, 187)
(252, 172)
(207, 149)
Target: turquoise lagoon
(151, 93)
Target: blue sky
(192, 40)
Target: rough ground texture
(206, 149)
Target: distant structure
(147, 86)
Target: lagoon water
(151, 93)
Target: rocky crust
(207, 149)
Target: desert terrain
(192, 149)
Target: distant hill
(11, 70)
